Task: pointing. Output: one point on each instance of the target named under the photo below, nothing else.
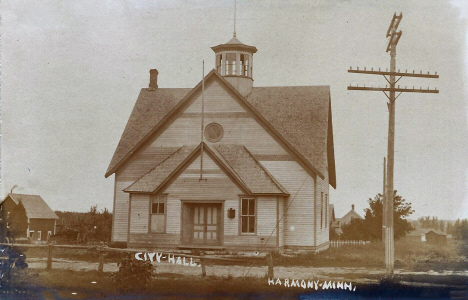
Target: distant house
(334, 222)
(41, 218)
(346, 219)
(417, 235)
(436, 237)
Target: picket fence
(340, 243)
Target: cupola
(234, 61)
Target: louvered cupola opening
(234, 61)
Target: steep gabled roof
(234, 159)
(349, 216)
(35, 206)
(302, 116)
(150, 110)
(299, 116)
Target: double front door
(202, 224)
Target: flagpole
(202, 121)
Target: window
(230, 64)
(31, 233)
(49, 233)
(326, 210)
(39, 235)
(244, 65)
(218, 63)
(213, 132)
(158, 213)
(247, 215)
(321, 210)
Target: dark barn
(436, 237)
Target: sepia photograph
(233, 149)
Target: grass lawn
(408, 255)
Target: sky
(71, 72)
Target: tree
(371, 227)
(17, 221)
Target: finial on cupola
(235, 6)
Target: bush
(133, 274)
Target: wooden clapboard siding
(121, 205)
(299, 207)
(173, 215)
(253, 242)
(231, 226)
(218, 185)
(281, 220)
(139, 213)
(266, 217)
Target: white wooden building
(256, 179)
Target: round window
(213, 132)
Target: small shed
(417, 235)
(436, 237)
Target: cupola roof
(235, 45)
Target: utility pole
(384, 210)
(394, 37)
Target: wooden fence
(103, 250)
(340, 243)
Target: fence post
(49, 258)
(202, 262)
(101, 260)
(270, 265)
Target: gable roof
(436, 231)
(257, 179)
(148, 113)
(299, 116)
(235, 159)
(349, 216)
(302, 115)
(35, 206)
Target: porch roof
(236, 160)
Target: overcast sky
(72, 70)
